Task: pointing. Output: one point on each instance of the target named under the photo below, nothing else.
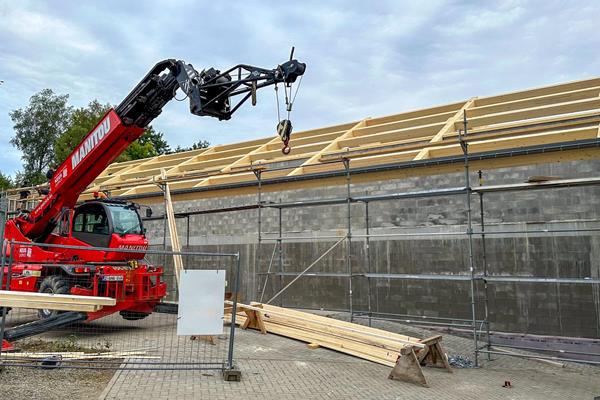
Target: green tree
(82, 121)
(150, 144)
(200, 144)
(37, 127)
(5, 182)
(159, 144)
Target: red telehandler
(103, 223)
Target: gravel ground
(18, 383)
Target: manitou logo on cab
(90, 142)
(133, 247)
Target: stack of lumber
(376, 345)
(62, 302)
(357, 340)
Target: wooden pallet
(403, 353)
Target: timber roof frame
(564, 116)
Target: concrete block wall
(566, 310)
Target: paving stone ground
(280, 368)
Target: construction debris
(458, 361)
(404, 353)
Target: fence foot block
(232, 375)
(407, 368)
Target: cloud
(364, 58)
(36, 27)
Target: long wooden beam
(172, 225)
(333, 145)
(57, 298)
(447, 128)
(50, 301)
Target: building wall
(566, 310)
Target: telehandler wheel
(55, 284)
(133, 315)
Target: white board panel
(201, 302)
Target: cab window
(92, 221)
(91, 225)
(125, 220)
(78, 224)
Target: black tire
(133, 315)
(55, 284)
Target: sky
(364, 58)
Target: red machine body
(136, 287)
(34, 239)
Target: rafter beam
(447, 128)
(334, 145)
(247, 158)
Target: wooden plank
(537, 101)
(373, 128)
(415, 113)
(478, 146)
(320, 336)
(247, 158)
(333, 145)
(447, 128)
(336, 334)
(369, 353)
(540, 91)
(326, 321)
(56, 298)
(174, 236)
(382, 137)
(41, 305)
(534, 112)
(511, 129)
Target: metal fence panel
(134, 338)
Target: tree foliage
(48, 130)
(159, 144)
(82, 121)
(150, 144)
(5, 182)
(37, 127)
(200, 144)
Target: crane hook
(284, 130)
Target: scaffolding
(478, 324)
(478, 276)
